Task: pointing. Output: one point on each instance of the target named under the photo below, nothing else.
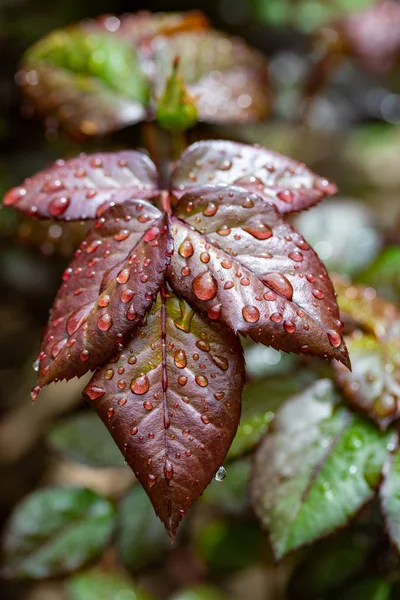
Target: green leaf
(317, 467)
(230, 545)
(231, 494)
(384, 274)
(390, 500)
(200, 592)
(369, 589)
(373, 385)
(260, 400)
(141, 538)
(55, 531)
(84, 438)
(98, 585)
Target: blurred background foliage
(343, 121)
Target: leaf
(315, 469)
(100, 585)
(90, 81)
(279, 180)
(228, 78)
(55, 531)
(84, 187)
(390, 499)
(384, 274)
(107, 289)
(374, 383)
(83, 438)
(247, 267)
(175, 408)
(140, 538)
(358, 242)
(260, 401)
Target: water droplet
(276, 317)
(201, 380)
(205, 419)
(151, 480)
(220, 474)
(286, 196)
(94, 392)
(126, 295)
(186, 249)
(123, 275)
(140, 385)
(168, 470)
(247, 203)
(122, 235)
(210, 210)
(180, 359)
(204, 286)
(214, 312)
(221, 362)
(226, 264)
(250, 313)
(58, 206)
(334, 338)
(35, 365)
(260, 232)
(151, 234)
(318, 294)
(182, 380)
(84, 355)
(204, 257)
(279, 283)
(147, 405)
(296, 256)
(289, 326)
(104, 322)
(104, 301)
(35, 392)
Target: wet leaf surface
(140, 538)
(390, 499)
(84, 438)
(284, 182)
(106, 290)
(84, 187)
(55, 531)
(373, 385)
(249, 268)
(171, 400)
(100, 585)
(315, 469)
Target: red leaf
(83, 187)
(288, 184)
(237, 260)
(108, 287)
(172, 403)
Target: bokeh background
(347, 131)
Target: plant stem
(180, 143)
(150, 141)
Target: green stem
(179, 142)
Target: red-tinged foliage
(171, 401)
(107, 289)
(170, 393)
(84, 187)
(279, 180)
(237, 259)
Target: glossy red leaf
(108, 287)
(171, 401)
(282, 181)
(84, 187)
(239, 262)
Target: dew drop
(250, 313)
(126, 295)
(180, 359)
(151, 480)
(289, 326)
(205, 419)
(260, 232)
(334, 338)
(186, 249)
(104, 322)
(286, 196)
(210, 210)
(220, 474)
(318, 294)
(168, 470)
(296, 256)
(204, 286)
(204, 257)
(140, 385)
(201, 380)
(279, 283)
(94, 392)
(58, 206)
(276, 317)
